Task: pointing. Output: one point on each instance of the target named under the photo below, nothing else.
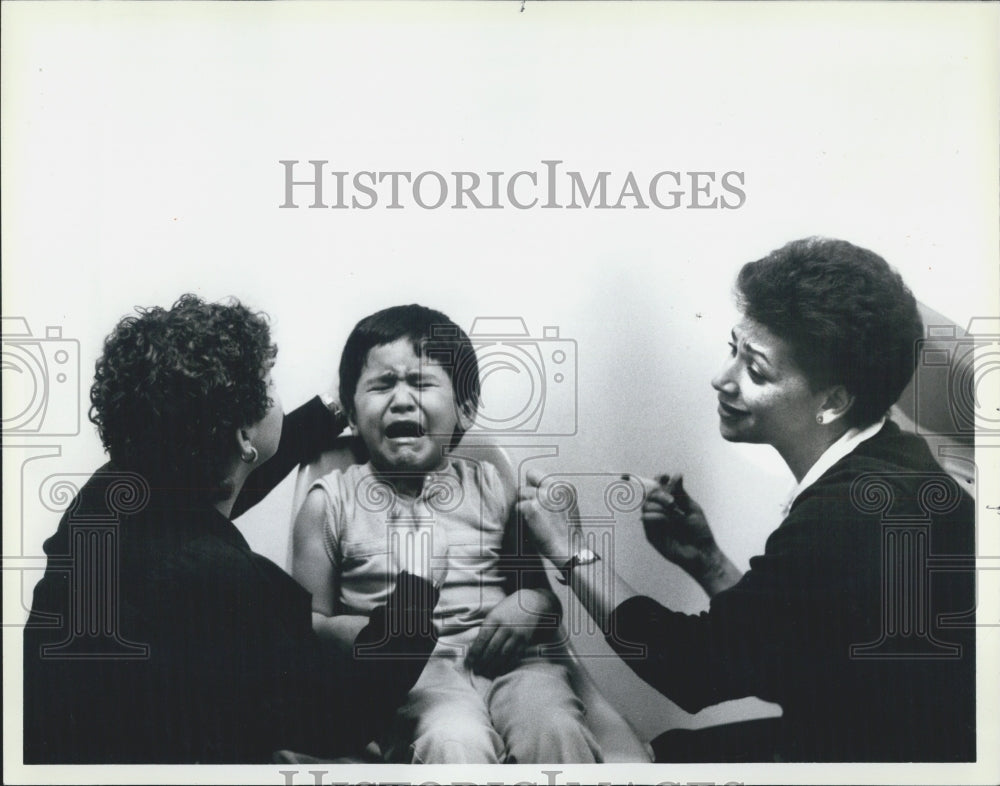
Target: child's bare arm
(312, 567)
(340, 631)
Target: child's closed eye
(382, 382)
(421, 381)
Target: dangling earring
(820, 419)
(250, 455)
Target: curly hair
(846, 315)
(432, 334)
(172, 386)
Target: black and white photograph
(511, 392)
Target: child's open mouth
(402, 429)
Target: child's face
(404, 409)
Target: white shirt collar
(848, 441)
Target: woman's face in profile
(763, 396)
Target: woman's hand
(508, 629)
(331, 401)
(676, 526)
(549, 509)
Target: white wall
(140, 161)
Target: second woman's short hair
(172, 387)
(845, 313)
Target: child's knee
(541, 718)
(559, 736)
(457, 740)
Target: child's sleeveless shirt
(465, 501)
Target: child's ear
(466, 415)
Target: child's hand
(510, 626)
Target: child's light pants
(528, 715)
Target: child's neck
(406, 482)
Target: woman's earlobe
(838, 403)
(248, 453)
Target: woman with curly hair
(871, 657)
(173, 641)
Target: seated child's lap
(453, 715)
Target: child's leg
(536, 712)
(445, 720)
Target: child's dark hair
(433, 336)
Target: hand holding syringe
(676, 526)
(669, 491)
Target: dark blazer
(843, 621)
(156, 634)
